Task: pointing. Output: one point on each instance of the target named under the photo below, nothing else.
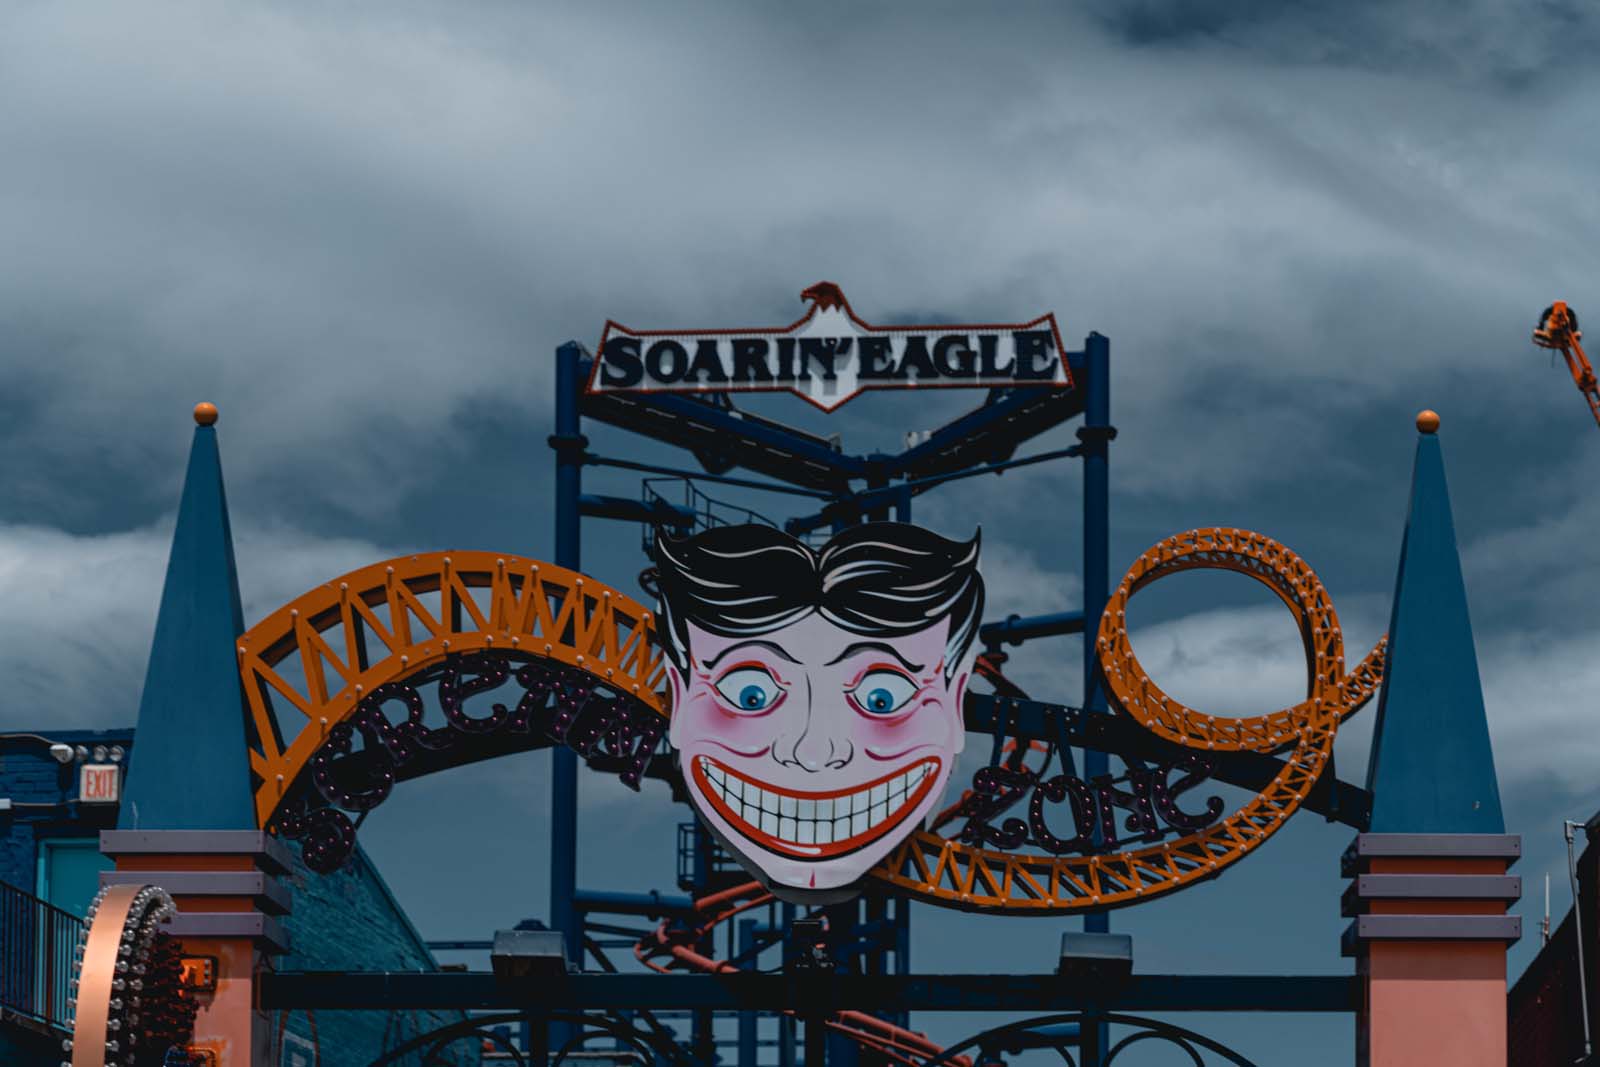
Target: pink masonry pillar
(1430, 938)
(228, 897)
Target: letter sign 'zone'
(829, 355)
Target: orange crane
(1558, 330)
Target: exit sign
(99, 783)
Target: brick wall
(348, 920)
(43, 805)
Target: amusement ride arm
(905, 1047)
(1558, 330)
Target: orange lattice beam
(945, 871)
(307, 665)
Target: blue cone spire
(1432, 767)
(190, 768)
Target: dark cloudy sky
(362, 230)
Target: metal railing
(38, 942)
(683, 493)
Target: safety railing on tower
(658, 494)
(37, 943)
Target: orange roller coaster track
(307, 666)
(943, 871)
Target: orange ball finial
(1428, 420)
(205, 413)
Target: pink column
(225, 886)
(1430, 937)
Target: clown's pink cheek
(928, 724)
(706, 716)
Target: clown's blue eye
(749, 689)
(883, 692)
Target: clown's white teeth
(809, 820)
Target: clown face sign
(816, 694)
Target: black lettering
(707, 364)
(988, 369)
(994, 789)
(486, 674)
(1143, 820)
(821, 350)
(620, 367)
(538, 682)
(786, 359)
(1033, 355)
(953, 356)
(1105, 833)
(877, 358)
(359, 784)
(599, 716)
(1081, 802)
(656, 361)
(750, 360)
(916, 355)
(1196, 771)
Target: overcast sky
(362, 230)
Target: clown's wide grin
(814, 825)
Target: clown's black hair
(884, 579)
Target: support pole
(816, 1038)
(786, 1022)
(747, 1019)
(569, 444)
(902, 950)
(702, 1022)
(1092, 1034)
(844, 921)
(1095, 434)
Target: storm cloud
(363, 230)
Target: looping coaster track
(311, 666)
(944, 871)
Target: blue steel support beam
(747, 1019)
(844, 922)
(1095, 433)
(787, 1030)
(626, 510)
(739, 438)
(654, 904)
(993, 430)
(569, 444)
(594, 460)
(1014, 629)
(1037, 721)
(848, 508)
(465, 991)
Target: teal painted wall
(348, 920)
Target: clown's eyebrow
(873, 646)
(775, 649)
